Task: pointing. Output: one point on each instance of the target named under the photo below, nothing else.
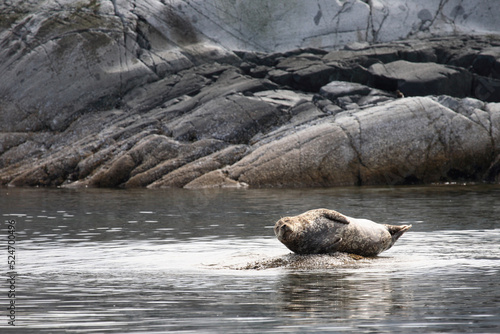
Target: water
(155, 261)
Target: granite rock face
(282, 25)
(64, 58)
(151, 94)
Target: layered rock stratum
(201, 94)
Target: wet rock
(307, 262)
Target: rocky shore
(104, 95)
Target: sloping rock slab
(234, 119)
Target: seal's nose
(283, 230)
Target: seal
(323, 231)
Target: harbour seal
(326, 231)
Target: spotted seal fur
(325, 231)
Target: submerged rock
(111, 94)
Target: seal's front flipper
(334, 247)
(335, 216)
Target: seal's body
(326, 231)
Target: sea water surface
(156, 261)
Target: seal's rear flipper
(397, 231)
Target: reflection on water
(97, 261)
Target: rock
(486, 89)
(279, 26)
(62, 61)
(231, 82)
(493, 110)
(215, 179)
(193, 170)
(349, 95)
(308, 72)
(493, 173)
(319, 155)
(411, 140)
(281, 77)
(421, 79)
(10, 140)
(185, 155)
(259, 71)
(144, 155)
(149, 96)
(487, 63)
(336, 89)
(155, 94)
(307, 262)
(234, 119)
(312, 78)
(282, 97)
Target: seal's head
(300, 235)
(284, 228)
